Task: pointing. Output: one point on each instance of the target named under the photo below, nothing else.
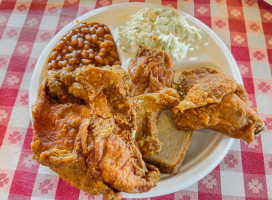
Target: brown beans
(90, 50)
(100, 31)
(74, 54)
(58, 57)
(111, 59)
(107, 30)
(94, 38)
(88, 37)
(114, 48)
(86, 61)
(64, 62)
(108, 48)
(78, 51)
(60, 64)
(105, 61)
(54, 63)
(80, 42)
(67, 56)
(99, 60)
(93, 30)
(64, 51)
(108, 37)
(59, 45)
(86, 47)
(53, 55)
(88, 43)
(113, 54)
(72, 61)
(91, 55)
(84, 54)
(103, 50)
(64, 39)
(103, 45)
(81, 25)
(70, 49)
(85, 30)
(110, 43)
(69, 35)
(74, 40)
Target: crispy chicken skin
(150, 71)
(212, 100)
(90, 144)
(149, 107)
(151, 78)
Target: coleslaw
(161, 28)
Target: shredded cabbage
(160, 28)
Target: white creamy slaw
(161, 28)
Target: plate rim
(223, 141)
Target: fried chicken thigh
(214, 101)
(150, 71)
(90, 144)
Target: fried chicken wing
(150, 71)
(90, 145)
(213, 100)
(150, 106)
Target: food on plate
(88, 107)
(89, 143)
(150, 71)
(175, 145)
(158, 28)
(215, 101)
(151, 77)
(150, 106)
(87, 43)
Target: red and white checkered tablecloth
(27, 26)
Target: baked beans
(88, 43)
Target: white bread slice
(175, 144)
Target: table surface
(27, 26)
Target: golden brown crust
(213, 100)
(90, 145)
(150, 71)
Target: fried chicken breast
(214, 101)
(89, 144)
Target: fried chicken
(214, 101)
(90, 144)
(150, 71)
(149, 107)
(151, 74)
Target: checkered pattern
(26, 27)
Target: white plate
(207, 148)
